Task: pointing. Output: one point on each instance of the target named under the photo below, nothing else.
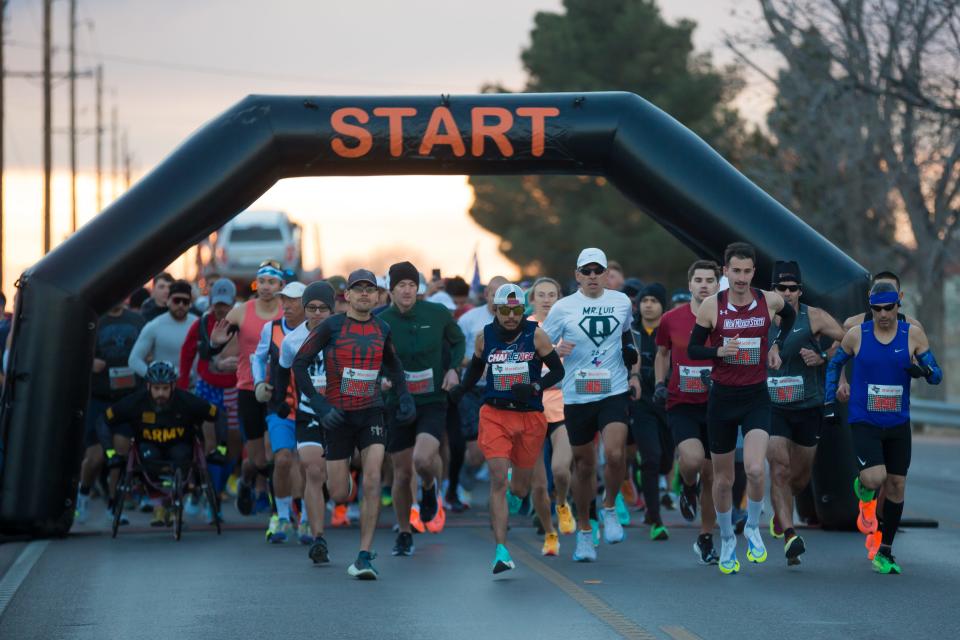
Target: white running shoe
(728, 555)
(612, 529)
(585, 551)
(756, 551)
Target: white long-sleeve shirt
(260, 358)
(160, 339)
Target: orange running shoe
(415, 519)
(873, 543)
(629, 491)
(439, 520)
(340, 517)
(551, 545)
(867, 518)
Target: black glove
(456, 393)
(406, 410)
(660, 395)
(919, 371)
(333, 419)
(706, 379)
(216, 457)
(523, 391)
(830, 410)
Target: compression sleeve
(278, 400)
(936, 373)
(314, 344)
(474, 372)
(787, 317)
(555, 373)
(698, 349)
(834, 367)
(258, 359)
(630, 355)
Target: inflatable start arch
(667, 170)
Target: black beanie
(403, 271)
(656, 290)
(319, 290)
(786, 271)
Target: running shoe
(161, 517)
(404, 546)
(436, 525)
(565, 521)
(612, 529)
(244, 498)
(775, 529)
(283, 531)
(211, 519)
(362, 568)
(623, 514)
(262, 504)
(124, 520)
(452, 501)
(145, 505)
(728, 563)
(884, 562)
(304, 533)
(688, 502)
(191, 506)
(595, 532)
(659, 532)
(551, 544)
(80, 515)
(513, 503)
(502, 560)
(340, 517)
(386, 497)
(318, 551)
(429, 503)
(233, 485)
(867, 517)
(706, 552)
(585, 551)
(873, 544)
(793, 548)
(756, 551)
(666, 501)
(415, 520)
(629, 491)
(272, 527)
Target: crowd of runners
(580, 403)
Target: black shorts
(689, 422)
(889, 446)
(802, 426)
(155, 457)
(431, 418)
(253, 415)
(584, 421)
(364, 428)
(309, 432)
(731, 407)
(95, 429)
(552, 428)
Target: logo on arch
(599, 328)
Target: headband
(885, 297)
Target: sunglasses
(591, 271)
(511, 310)
(366, 290)
(316, 308)
(882, 307)
(792, 288)
(270, 263)
(179, 301)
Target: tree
(604, 45)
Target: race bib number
(785, 389)
(319, 383)
(747, 354)
(121, 378)
(359, 383)
(884, 398)
(593, 381)
(510, 373)
(419, 382)
(691, 379)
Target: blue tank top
(511, 363)
(880, 389)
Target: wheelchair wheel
(212, 498)
(122, 490)
(177, 504)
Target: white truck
(254, 236)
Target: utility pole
(114, 149)
(126, 161)
(47, 121)
(73, 116)
(3, 69)
(99, 134)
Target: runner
(287, 476)
(512, 351)
(425, 335)
(796, 390)
(860, 318)
(738, 320)
(685, 398)
(357, 350)
(243, 325)
(318, 303)
(544, 294)
(156, 305)
(883, 351)
(594, 324)
(162, 337)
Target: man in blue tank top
(887, 354)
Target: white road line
(19, 571)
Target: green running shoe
(502, 560)
(659, 532)
(595, 532)
(623, 514)
(513, 503)
(884, 562)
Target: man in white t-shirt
(593, 329)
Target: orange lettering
(538, 116)
(395, 117)
(364, 139)
(495, 131)
(433, 137)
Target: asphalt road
(146, 585)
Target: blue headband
(885, 297)
(270, 272)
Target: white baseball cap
(502, 296)
(294, 290)
(590, 255)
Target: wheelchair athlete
(165, 423)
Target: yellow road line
(680, 633)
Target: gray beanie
(319, 290)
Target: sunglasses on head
(792, 288)
(883, 307)
(511, 309)
(591, 271)
(179, 300)
(270, 263)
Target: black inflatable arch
(662, 166)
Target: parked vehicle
(255, 236)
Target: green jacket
(429, 343)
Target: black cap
(632, 286)
(403, 271)
(786, 271)
(361, 275)
(656, 290)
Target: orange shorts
(517, 435)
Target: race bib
(785, 389)
(510, 373)
(747, 354)
(593, 381)
(884, 398)
(359, 383)
(419, 382)
(691, 379)
(121, 378)
(319, 382)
